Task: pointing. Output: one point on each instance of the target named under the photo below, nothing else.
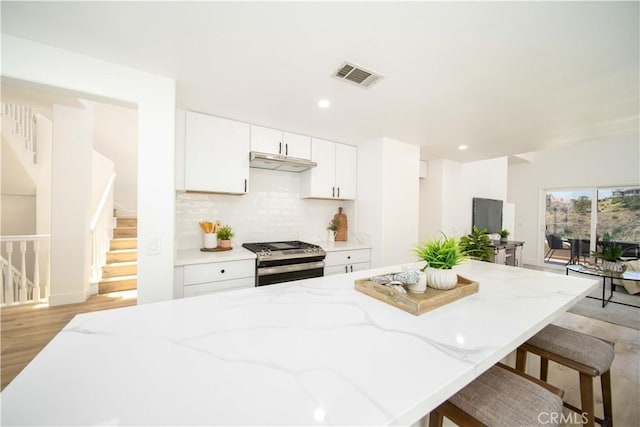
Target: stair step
(122, 255)
(126, 221)
(123, 243)
(114, 284)
(125, 232)
(119, 269)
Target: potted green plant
(441, 255)
(477, 245)
(611, 256)
(225, 233)
(332, 228)
(504, 234)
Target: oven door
(287, 273)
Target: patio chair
(555, 242)
(579, 248)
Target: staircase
(120, 273)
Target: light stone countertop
(342, 246)
(311, 352)
(196, 256)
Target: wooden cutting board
(417, 303)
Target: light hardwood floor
(27, 329)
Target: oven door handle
(264, 271)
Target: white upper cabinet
(273, 141)
(216, 154)
(296, 145)
(346, 168)
(335, 175)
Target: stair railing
(24, 124)
(101, 229)
(17, 287)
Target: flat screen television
(487, 213)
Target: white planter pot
(331, 236)
(441, 279)
(614, 266)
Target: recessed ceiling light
(462, 147)
(324, 103)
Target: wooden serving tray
(218, 249)
(417, 303)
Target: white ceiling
(501, 77)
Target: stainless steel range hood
(279, 162)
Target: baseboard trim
(70, 298)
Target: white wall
(116, 137)
(388, 194)
(369, 212)
(43, 194)
(155, 98)
(447, 192)
(18, 214)
(102, 170)
(272, 210)
(70, 204)
(486, 179)
(597, 163)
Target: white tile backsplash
(272, 210)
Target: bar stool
(588, 355)
(502, 396)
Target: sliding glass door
(567, 225)
(578, 221)
(618, 219)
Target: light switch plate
(154, 245)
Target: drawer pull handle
(349, 257)
(222, 271)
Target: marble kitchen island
(312, 352)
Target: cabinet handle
(333, 191)
(245, 185)
(280, 148)
(348, 256)
(346, 269)
(338, 191)
(222, 271)
(286, 149)
(352, 268)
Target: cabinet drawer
(347, 257)
(347, 268)
(211, 287)
(217, 271)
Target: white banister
(8, 281)
(101, 228)
(24, 123)
(17, 287)
(36, 270)
(104, 199)
(22, 293)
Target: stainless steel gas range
(278, 262)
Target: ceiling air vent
(357, 75)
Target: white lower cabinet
(200, 279)
(338, 262)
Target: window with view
(618, 216)
(569, 215)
